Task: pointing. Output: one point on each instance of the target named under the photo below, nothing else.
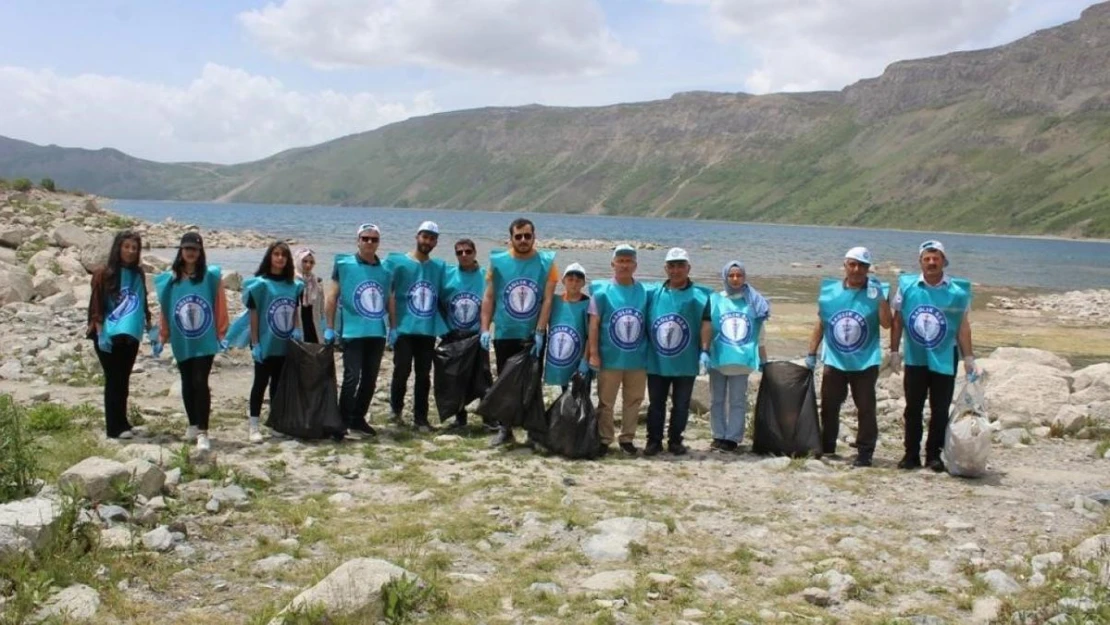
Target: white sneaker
(190, 433)
(203, 444)
(126, 435)
(254, 435)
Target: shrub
(18, 453)
(48, 184)
(22, 185)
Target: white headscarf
(311, 284)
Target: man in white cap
(619, 348)
(415, 321)
(678, 314)
(850, 312)
(932, 307)
(360, 288)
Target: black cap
(191, 239)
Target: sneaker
(716, 445)
(629, 449)
(503, 437)
(126, 435)
(423, 426)
(190, 433)
(936, 464)
(203, 444)
(654, 448)
(362, 427)
(910, 462)
(862, 461)
(396, 419)
(677, 448)
(254, 435)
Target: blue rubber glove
(156, 349)
(583, 367)
(974, 371)
(537, 347)
(256, 353)
(391, 337)
(703, 362)
(811, 361)
(224, 346)
(104, 342)
(483, 340)
(297, 335)
(329, 336)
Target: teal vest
(735, 333)
(276, 303)
(416, 287)
(674, 322)
(190, 308)
(363, 293)
(462, 298)
(566, 340)
(622, 311)
(518, 286)
(931, 320)
(124, 315)
(851, 321)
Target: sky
(235, 80)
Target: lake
(767, 250)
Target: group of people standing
(635, 338)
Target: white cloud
(827, 44)
(537, 37)
(224, 115)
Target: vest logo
(422, 299)
(370, 300)
(736, 328)
(281, 317)
(671, 334)
(626, 328)
(564, 346)
(193, 316)
(848, 330)
(522, 298)
(127, 302)
(927, 326)
(465, 308)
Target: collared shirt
(896, 300)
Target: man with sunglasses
(359, 292)
(415, 322)
(461, 301)
(932, 307)
(520, 287)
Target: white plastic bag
(967, 443)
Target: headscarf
(311, 284)
(761, 308)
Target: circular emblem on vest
(281, 316)
(193, 316)
(671, 334)
(465, 308)
(564, 345)
(736, 328)
(422, 299)
(927, 326)
(370, 300)
(522, 298)
(848, 330)
(626, 328)
(127, 302)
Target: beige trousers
(633, 386)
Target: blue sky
(234, 80)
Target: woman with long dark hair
(118, 316)
(194, 323)
(272, 299)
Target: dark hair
(519, 223)
(265, 267)
(466, 242)
(178, 266)
(115, 265)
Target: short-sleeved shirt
(251, 305)
(552, 276)
(896, 299)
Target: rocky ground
(149, 531)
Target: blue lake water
(766, 249)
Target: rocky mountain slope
(1011, 139)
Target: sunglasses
(369, 239)
(523, 236)
(463, 252)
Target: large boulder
(146, 477)
(70, 263)
(15, 286)
(74, 604)
(1021, 394)
(355, 586)
(96, 252)
(1091, 384)
(69, 235)
(64, 299)
(45, 285)
(12, 544)
(14, 236)
(1030, 355)
(43, 262)
(94, 477)
(613, 536)
(33, 519)
(8, 256)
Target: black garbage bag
(516, 397)
(462, 373)
(306, 403)
(786, 422)
(572, 422)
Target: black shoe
(395, 419)
(423, 426)
(503, 437)
(677, 448)
(730, 446)
(457, 426)
(862, 461)
(717, 444)
(653, 448)
(603, 451)
(362, 427)
(629, 449)
(910, 462)
(936, 464)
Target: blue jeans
(680, 389)
(729, 407)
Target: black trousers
(362, 358)
(308, 325)
(195, 393)
(835, 385)
(680, 389)
(410, 349)
(266, 373)
(117, 367)
(921, 383)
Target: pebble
(817, 596)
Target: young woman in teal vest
(194, 322)
(118, 316)
(272, 298)
(731, 350)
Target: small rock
(547, 588)
(41, 396)
(213, 506)
(146, 477)
(94, 478)
(985, 610)
(353, 586)
(158, 539)
(712, 581)
(609, 581)
(959, 526)
(75, 603)
(341, 499)
(1000, 583)
(157, 503)
(467, 577)
(816, 466)
(851, 544)
(610, 544)
(115, 538)
(273, 563)
(1042, 562)
(233, 495)
(1082, 604)
(817, 596)
(425, 495)
(173, 477)
(662, 579)
(774, 464)
(693, 614)
(34, 519)
(113, 514)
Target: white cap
(861, 254)
(428, 226)
(575, 268)
(676, 254)
(368, 228)
(933, 244)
